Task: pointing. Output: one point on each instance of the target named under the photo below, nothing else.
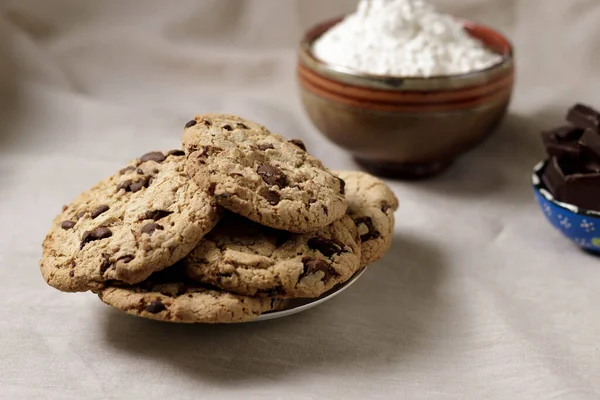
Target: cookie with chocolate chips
(371, 204)
(179, 300)
(244, 257)
(260, 175)
(142, 219)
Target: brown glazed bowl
(407, 128)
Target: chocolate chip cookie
(260, 175)
(371, 204)
(167, 296)
(244, 257)
(142, 219)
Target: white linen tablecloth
(479, 298)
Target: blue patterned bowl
(579, 225)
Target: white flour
(402, 38)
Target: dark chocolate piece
(582, 190)
(554, 178)
(591, 141)
(584, 117)
(560, 148)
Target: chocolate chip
(342, 186)
(125, 185)
(155, 307)
(227, 127)
(191, 123)
(385, 206)
(66, 225)
(265, 146)
(156, 156)
(313, 265)
(127, 169)
(156, 214)
(371, 233)
(207, 151)
(242, 126)
(99, 210)
(211, 189)
(298, 143)
(272, 175)
(142, 183)
(327, 247)
(139, 171)
(99, 233)
(81, 214)
(206, 122)
(325, 209)
(151, 227)
(176, 153)
(272, 197)
(126, 259)
(71, 273)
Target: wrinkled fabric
(479, 298)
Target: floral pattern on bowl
(579, 225)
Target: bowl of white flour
(404, 88)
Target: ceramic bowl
(579, 225)
(405, 127)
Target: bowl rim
(392, 82)
(538, 185)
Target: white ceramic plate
(300, 305)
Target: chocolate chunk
(582, 190)
(327, 247)
(125, 185)
(99, 233)
(81, 214)
(272, 197)
(99, 210)
(590, 140)
(71, 274)
(140, 171)
(127, 169)
(151, 227)
(272, 175)
(227, 127)
(191, 123)
(105, 263)
(156, 214)
(553, 177)
(66, 225)
(371, 232)
(206, 122)
(560, 147)
(584, 117)
(298, 143)
(126, 259)
(313, 265)
(568, 132)
(143, 182)
(155, 307)
(342, 186)
(265, 146)
(385, 206)
(242, 126)
(156, 156)
(176, 153)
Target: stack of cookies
(233, 226)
